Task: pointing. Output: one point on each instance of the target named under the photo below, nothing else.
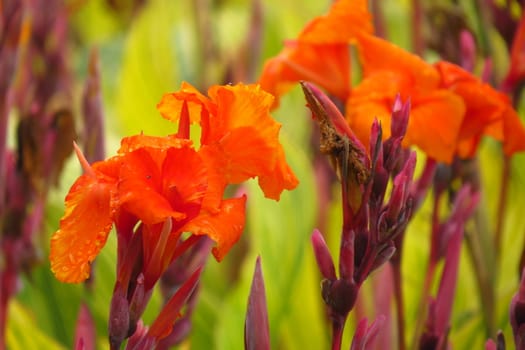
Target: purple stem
(400, 313)
(337, 328)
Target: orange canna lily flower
(321, 52)
(153, 184)
(436, 113)
(488, 112)
(169, 187)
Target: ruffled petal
(247, 136)
(184, 180)
(170, 106)
(83, 229)
(224, 227)
(140, 188)
(326, 65)
(135, 142)
(279, 179)
(244, 131)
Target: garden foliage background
(150, 53)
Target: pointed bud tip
(322, 255)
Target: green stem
(502, 206)
(479, 246)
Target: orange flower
(436, 113)
(152, 179)
(321, 52)
(487, 112)
(168, 187)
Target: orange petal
(83, 229)
(241, 105)
(216, 162)
(509, 130)
(434, 124)
(281, 178)
(248, 137)
(184, 180)
(140, 189)
(326, 65)
(344, 21)
(170, 105)
(514, 133)
(361, 115)
(377, 54)
(132, 143)
(225, 227)
(244, 131)
(483, 103)
(488, 111)
(248, 154)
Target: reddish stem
(422, 307)
(337, 336)
(400, 307)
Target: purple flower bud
(400, 115)
(85, 333)
(468, 50)
(140, 339)
(517, 315)
(138, 302)
(364, 336)
(322, 256)
(376, 144)
(118, 318)
(498, 345)
(340, 296)
(256, 328)
(383, 256)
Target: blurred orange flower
(436, 113)
(451, 108)
(321, 53)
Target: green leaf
(23, 332)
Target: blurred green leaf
(24, 333)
